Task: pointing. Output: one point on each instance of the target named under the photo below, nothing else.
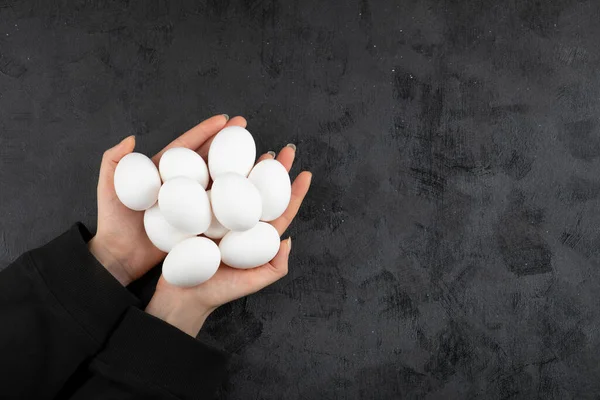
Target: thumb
(111, 158)
(276, 269)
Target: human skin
(122, 246)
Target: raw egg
(162, 234)
(232, 150)
(137, 182)
(184, 203)
(191, 262)
(250, 249)
(235, 202)
(181, 161)
(273, 183)
(215, 230)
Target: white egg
(162, 234)
(215, 230)
(235, 202)
(191, 262)
(273, 182)
(232, 150)
(137, 182)
(251, 248)
(185, 205)
(181, 161)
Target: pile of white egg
(183, 218)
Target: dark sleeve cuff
(87, 291)
(155, 354)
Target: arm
(146, 358)
(54, 315)
(154, 355)
(59, 303)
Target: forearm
(54, 309)
(146, 358)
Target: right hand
(188, 308)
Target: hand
(121, 243)
(188, 308)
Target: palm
(122, 230)
(228, 283)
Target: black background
(449, 245)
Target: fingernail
(226, 117)
(125, 140)
(289, 244)
(272, 153)
(292, 146)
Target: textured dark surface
(449, 247)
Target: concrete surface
(449, 248)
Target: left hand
(121, 243)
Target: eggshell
(235, 202)
(191, 262)
(251, 248)
(181, 161)
(137, 182)
(162, 234)
(185, 205)
(232, 150)
(215, 230)
(273, 182)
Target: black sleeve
(146, 358)
(58, 306)
(68, 329)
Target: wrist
(109, 261)
(171, 308)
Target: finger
(270, 273)
(235, 121)
(286, 156)
(279, 264)
(195, 137)
(110, 159)
(299, 189)
(267, 156)
(238, 121)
